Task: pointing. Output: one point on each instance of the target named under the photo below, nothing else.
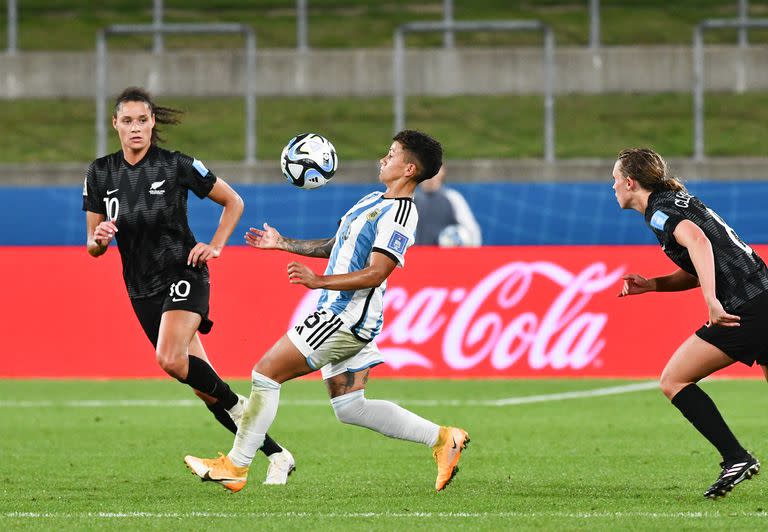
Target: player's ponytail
(673, 183)
(649, 169)
(163, 115)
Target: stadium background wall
(508, 213)
(522, 311)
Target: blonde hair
(649, 169)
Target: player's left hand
(201, 254)
(636, 284)
(718, 315)
(300, 274)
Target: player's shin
(258, 416)
(701, 412)
(203, 378)
(222, 416)
(384, 417)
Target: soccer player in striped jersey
(339, 338)
(733, 281)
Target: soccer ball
(309, 160)
(453, 236)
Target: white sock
(384, 417)
(257, 418)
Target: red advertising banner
(450, 313)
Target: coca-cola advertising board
(500, 312)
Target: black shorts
(188, 292)
(747, 343)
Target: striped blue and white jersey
(373, 224)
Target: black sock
(700, 410)
(270, 446)
(222, 416)
(202, 378)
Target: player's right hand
(269, 238)
(635, 284)
(104, 233)
(718, 315)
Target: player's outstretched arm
(636, 284)
(270, 238)
(100, 233)
(369, 277)
(674, 282)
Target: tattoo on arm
(310, 248)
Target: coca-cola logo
(501, 320)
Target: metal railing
(594, 25)
(302, 27)
(158, 11)
(448, 38)
(13, 26)
(158, 44)
(743, 17)
(398, 65)
(249, 74)
(698, 72)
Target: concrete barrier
(368, 72)
(459, 171)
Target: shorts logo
(180, 291)
(397, 242)
(658, 220)
(153, 188)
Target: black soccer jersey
(740, 274)
(148, 203)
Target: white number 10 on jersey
(113, 207)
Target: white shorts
(329, 345)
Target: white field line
(376, 515)
(526, 399)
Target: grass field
(469, 127)
(72, 24)
(97, 455)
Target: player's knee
(349, 407)
(173, 365)
(670, 385)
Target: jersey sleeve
(195, 176)
(92, 201)
(666, 216)
(395, 231)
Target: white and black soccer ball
(453, 236)
(309, 160)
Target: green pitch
(108, 455)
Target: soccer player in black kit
(733, 281)
(138, 195)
